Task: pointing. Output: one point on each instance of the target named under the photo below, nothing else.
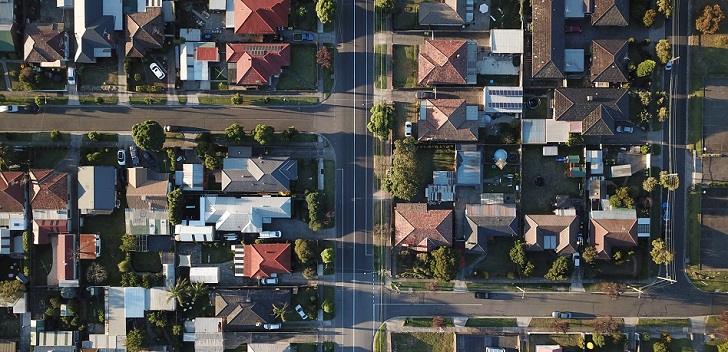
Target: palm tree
(180, 291)
(197, 291)
(281, 312)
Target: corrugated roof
(158, 298)
(205, 275)
(134, 302)
(244, 214)
(506, 41)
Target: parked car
(274, 326)
(171, 128)
(625, 129)
(299, 37)
(31, 108)
(562, 315)
(134, 156)
(270, 234)
(8, 108)
(573, 29)
(482, 295)
(408, 129)
(425, 95)
(149, 159)
(269, 281)
(121, 157)
(71, 75)
(230, 237)
(300, 312)
(665, 211)
(157, 71)
(577, 259)
(668, 66)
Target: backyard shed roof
(132, 298)
(506, 41)
(205, 275)
(468, 167)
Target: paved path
(6, 74)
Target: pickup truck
(298, 37)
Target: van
(270, 234)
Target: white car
(157, 71)
(408, 129)
(562, 315)
(269, 281)
(71, 75)
(274, 326)
(270, 234)
(121, 157)
(577, 259)
(668, 66)
(625, 129)
(300, 312)
(8, 108)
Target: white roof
(132, 298)
(538, 131)
(503, 99)
(21, 305)
(557, 131)
(52, 338)
(157, 298)
(269, 347)
(468, 167)
(506, 41)
(147, 222)
(574, 60)
(217, 4)
(244, 214)
(64, 3)
(105, 341)
(116, 320)
(191, 176)
(622, 170)
(230, 14)
(186, 233)
(616, 214)
(205, 275)
(550, 150)
(208, 325)
(184, 260)
(192, 69)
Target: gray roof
(93, 30)
(609, 63)
(258, 175)
(245, 309)
(548, 39)
(468, 167)
(440, 13)
(96, 189)
(597, 108)
(243, 214)
(488, 220)
(611, 13)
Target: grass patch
(3, 86)
(491, 322)
(380, 339)
(328, 73)
(498, 80)
(575, 324)
(302, 74)
(644, 322)
(380, 66)
(568, 342)
(98, 100)
(693, 225)
(423, 286)
(425, 322)
(182, 99)
(9, 326)
(147, 100)
(330, 294)
(712, 322)
(498, 262)
(675, 345)
(509, 17)
(215, 100)
(43, 258)
(403, 112)
(47, 158)
(406, 15)
(257, 100)
(535, 164)
(103, 72)
(708, 280)
(103, 137)
(148, 262)
(108, 156)
(110, 228)
(215, 254)
(329, 188)
(512, 287)
(712, 345)
(307, 297)
(541, 112)
(423, 342)
(404, 66)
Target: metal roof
(132, 298)
(205, 275)
(506, 41)
(244, 214)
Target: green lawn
(509, 17)
(93, 100)
(707, 280)
(693, 225)
(215, 254)
(308, 298)
(569, 342)
(303, 65)
(104, 71)
(47, 158)
(257, 100)
(43, 264)
(539, 200)
(108, 157)
(146, 99)
(498, 262)
(148, 262)
(712, 345)
(676, 345)
(645, 322)
(403, 112)
(423, 286)
(406, 15)
(329, 188)
(498, 80)
(404, 66)
(306, 22)
(541, 112)
(380, 339)
(507, 287)
(423, 342)
(707, 59)
(110, 227)
(712, 322)
(3, 86)
(9, 326)
(380, 66)
(575, 324)
(492, 322)
(425, 322)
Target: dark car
(425, 95)
(573, 29)
(171, 128)
(482, 295)
(148, 157)
(31, 108)
(134, 157)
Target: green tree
(575, 139)
(649, 17)
(645, 68)
(128, 243)
(289, 134)
(304, 250)
(94, 158)
(148, 135)
(213, 162)
(709, 22)
(11, 290)
(158, 319)
(385, 6)
(136, 340)
(328, 255)
(659, 253)
(177, 330)
(314, 201)
(326, 10)
(659, 347)
(328, 306)
(197, 291)
(40, 100)
(598, 339)
(621, 199)
(444, 264)
(518, 253)
(125, 267)
(56, 135)
(235, 133)
(179, 291)
(589, 254)
(649, 184)
(404, 178)
(669, 181)
(96, 273)
(381, 120)
(93, 136)
(263, 134)
(309, 273)
(662, 49)
(665, 6)
(175, 203)
(662, 114)
(237, 99)
(645, 96)
(280, 312)
(559, 269)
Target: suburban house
(551, 232)
(49, 194)
(260, 16)
(96, 192)
(610, 13)
(144, 32)
(248, 309)
(612, 228)
(44, 229)
(547, 44)
(446, 62)
(258, 175)
(147, 210)
(503, 100)
(45, 44)
(94, 24)
(269, 347)
(65, 265)
(421, 229)
(591, 111)
(43, 340)
(447, 120)
(206, 333)
(609, 61)
(256, 64)
(194, 59)
(12, 200)
(267, 259)
(8, 27)
(485, 221)
(190, 178)
(448, 13)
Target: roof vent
(589, 98)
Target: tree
(96, 273)
(589, 254)
(11, 291)
(660, 254)
(723, 347)
(314, 201)
(148, 135)
(669, 181)
(645, 96)
(662, 114)
(659, 347)
(326, 10)
(213, 162)
(125, 267)
(179, 291)
(197, 291)
(40, 100)
(309, 273)
(575, 139)
(560, 325)
(649, 184)
(235, 133)
(386, 6)
(621, 199)
(175, 202)
(136, 340)
(280, 312)
(558, 269)
(381, 120)
(263, 134)
(665, 6)
(662, 49)
(236, 99)
(158, 319)
(438, 322)
(709, 22)
(645, 116)
(323, 57)
(177, 330)
(128, 243)
(649, 17)
(56, 135)
(328, 306)
(598, 339)
(93, 136)
(328, 255)
(518, 257)
(645, 68)
(303, 250)
(403, 180)
(289, 134)
(444, 264)
(94, 158)
(613, 289)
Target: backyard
(42, 264)
(505, 14)
(433, 158)
(404, 66)
(146, 262)
(569, 342)
(110, 227)
(300, 75)
(216, 253)
(555, 179)
(423, 342)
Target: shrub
(93, 136)
(649, 17)
(137, 77)
(309, 273)
(645, 68)
(328, 306)
(125, 266)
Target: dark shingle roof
(548, 39)
(609, 61)
(245, 309)
(258, 175)
(44, 43)
(440, 13)
(596, 108)
(611, 13)
(144, 31)
(488, 220)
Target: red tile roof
(421, 229)
(446, 120)
(443, 62)
(207, 54)
(256, 63)
(87, 246)
(607, 233)
(65, 263)
(49, 189)
(43, 228)
(261, 16)
(262, 260)
(12, 195)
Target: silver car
(157, 71)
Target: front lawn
(308, 298)
(106, 157)
(403, 112)
(492, 322)
(330, 294)
(103, 72)
(422, 342)
(423, 286)
(569, 342)
(216, 253)
(497, 263)
(380, 66)
(425, 322)
(675, 345)
(9, 325)
(302, 74)
(406, 15)
(693, 225)
(47, 158)
(404, 66)
(328, 73)
(648, 322)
